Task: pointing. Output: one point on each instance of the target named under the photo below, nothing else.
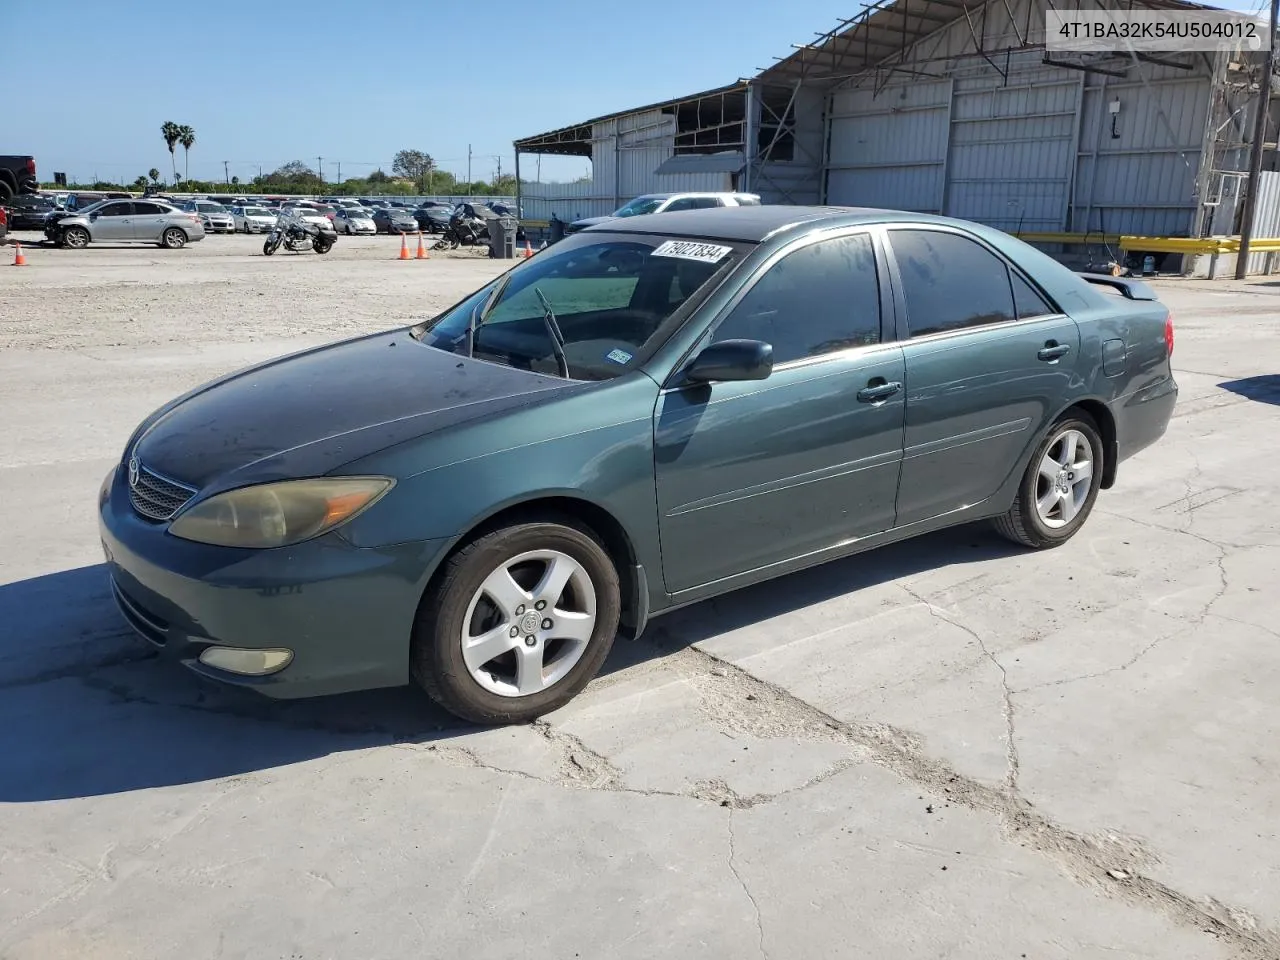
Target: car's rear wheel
(518, 622)
(77, 238)
(173, 239)
(1059, 486)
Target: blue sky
(268, 81)
(264, 82)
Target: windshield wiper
(478, 316)
(553, 328)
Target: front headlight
(278, 514)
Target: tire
(322, 246)
(1071, 442)
(6, 192)
(267, 248)
(173, 239)
(490, 692)
(77, 238)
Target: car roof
(756, 224)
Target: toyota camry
(649, 413)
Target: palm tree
(154, 174)
(171, 133)
(186, 137)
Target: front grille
(156, 497)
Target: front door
(988, 362)
(755, 473)
(114, 222)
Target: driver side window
(819, 299)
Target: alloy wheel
(1065, 479)
(529, 623)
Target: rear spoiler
(1131, 289)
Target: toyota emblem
(133, 471)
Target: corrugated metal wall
(1034, 151)
(625, 153)
(797, 180)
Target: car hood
(310, 413)
(590, 222)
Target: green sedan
(649, 413)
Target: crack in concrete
(755, 906)
(1012, 761)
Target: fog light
(250, 663)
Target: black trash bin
(557, 229)
(502, 238)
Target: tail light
(31, 165)
(4, 217)
(1168, 334)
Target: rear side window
(950, 282)
(148, 209)
(822, 298)
(1027, 301)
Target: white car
(668, 202)
(253, 219)
(308, 214)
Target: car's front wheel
(519, 620)
(77, 238)
(1059, 486)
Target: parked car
(28, 210)
(645, 415)
(328, 210)
(433, 218)
(17, 176)
(124, 221)
(82, 199)
(213, 216)
(391, 220)
(354, 221)
(308, 213)
(252, 219)
(669, 203)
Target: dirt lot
(948, 748)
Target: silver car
(124, 221)
(252, 219)
(350, 220)
(214, 216)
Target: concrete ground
(947, 748)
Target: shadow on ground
(96, 712)
(1265, 389)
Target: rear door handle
(1052, 351)
(875, 392)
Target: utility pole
(468, 169)
(1255, 152)
(339, 171)
(320, 162)
(499, 180)
(226, 170)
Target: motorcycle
(297, 234)
(466, 228)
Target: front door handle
(877, 390)
(1052, 351)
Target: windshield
(211, 208)
(638, 206)
(256, 212)
(616, 301)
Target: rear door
(759, 472)
(149, 220)
(114, 222)
(988, 362)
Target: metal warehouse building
(952, 107)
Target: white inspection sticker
(618, 356)
(689, 250)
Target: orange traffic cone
(19, 260)
(404, 247)
(528, 250)
(422, 250)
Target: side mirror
(732, 360)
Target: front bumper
(346, 612)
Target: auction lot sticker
(690, 250)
